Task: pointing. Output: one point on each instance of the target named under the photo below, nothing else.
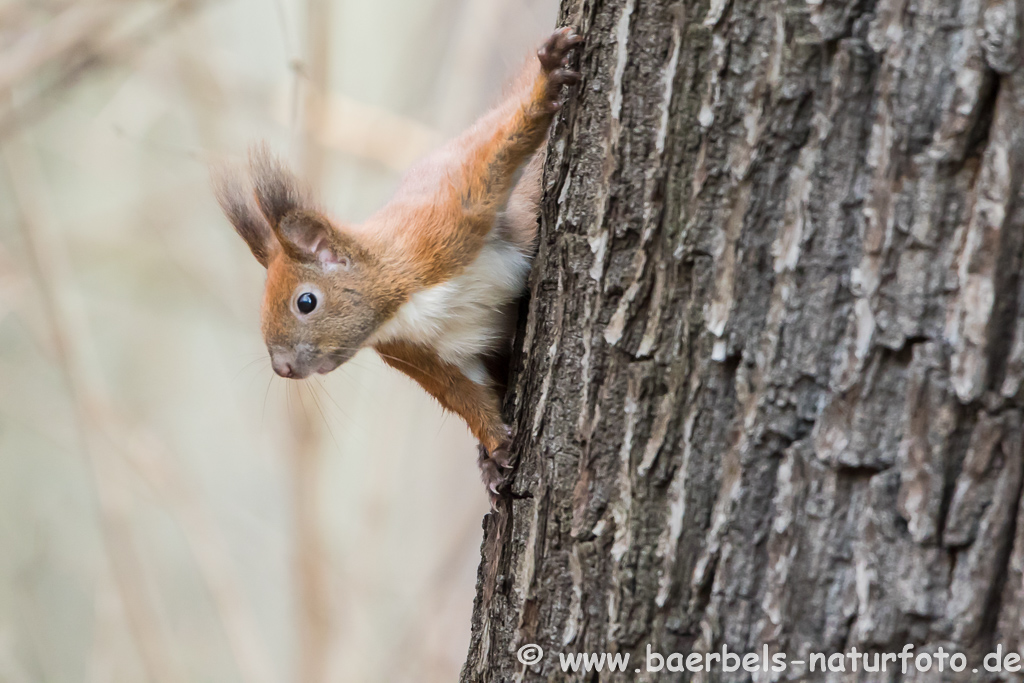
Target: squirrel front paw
(554, 60)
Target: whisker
(288, 399)
(316, 402)
(249, 365)
(397, 360)
(337, 405)
(352, 378)
(254, 378)
(263, 418)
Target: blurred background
(170, 510)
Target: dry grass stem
(103, 432)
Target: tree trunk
(768, 392)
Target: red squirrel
(432, 280)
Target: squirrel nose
(283, 366)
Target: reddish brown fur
(453, 196)
(478, 405)
(436, 225)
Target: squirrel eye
(306, 302)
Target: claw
(553, 52)
(491, 466)
(495, 465)
(501, 458)
(554, 59)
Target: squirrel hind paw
(494, 470)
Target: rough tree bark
(769, 386)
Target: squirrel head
(323, 294)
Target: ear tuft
(278, 192)
(277, 213)
(240, 209)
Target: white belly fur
(463, 319)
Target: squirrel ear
(306, 236)
(240, 210)
(301, 230)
